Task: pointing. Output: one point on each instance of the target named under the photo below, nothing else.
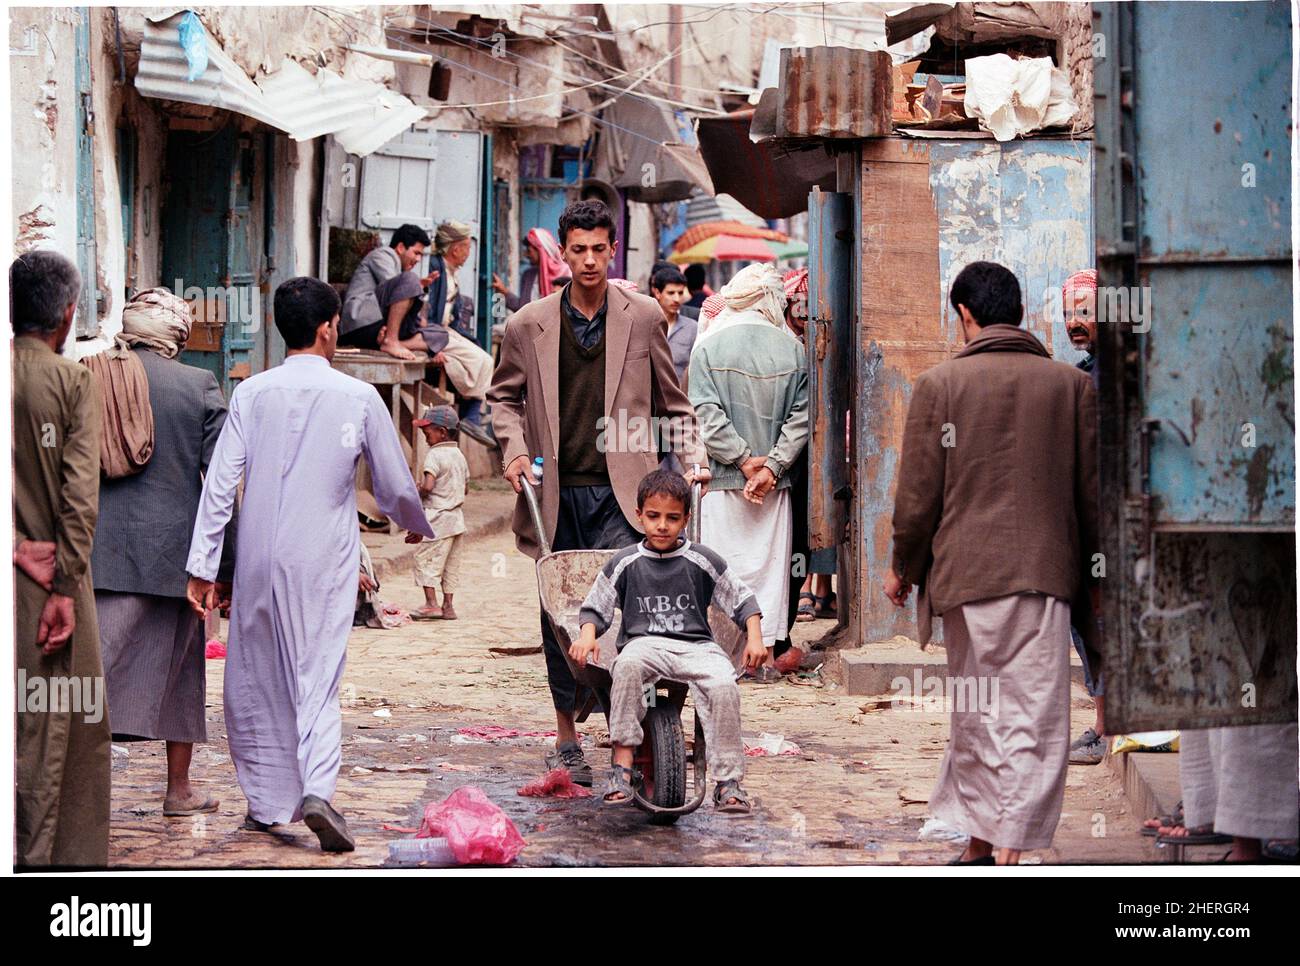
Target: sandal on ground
(204, 806)
(251, 824)
(448, 612)
(428, 614)
(1163, 821)
(1205, 835)
(372, 524)
(982, 860)
(826, 606)
(619, 782)
(1280, 850)
(731, 789)
(806, 612)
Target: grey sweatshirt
(666, 594)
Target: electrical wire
(587, 82)
(620, 91)
(576, 112)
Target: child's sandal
(806, 612)
(731, 789)
(619, 782)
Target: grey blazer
(142, 540)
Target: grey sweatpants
(712, 680)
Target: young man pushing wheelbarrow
(584, 375)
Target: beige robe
(1003, 777)
(63, 752)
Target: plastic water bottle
(537, 470)
(431, 851)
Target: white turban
(157, 319)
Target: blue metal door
(212, 246)
(1196, 363)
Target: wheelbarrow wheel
(661, 760)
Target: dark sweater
(666, 594)
(582, 406)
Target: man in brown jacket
(582, 373)
(996, 519)
(62, 745)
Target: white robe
(294, 434)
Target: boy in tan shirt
(442, 491)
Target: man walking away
(294, 435)
(996, 520)
(152, 641)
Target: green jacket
(749, 386)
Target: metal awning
(643, 152)
(363, 116)
(771, 181)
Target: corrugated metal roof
(392, 115)
(318, 105)
(835, 92)
(163, 70)
(363, 116)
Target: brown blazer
(640, 381)
(1009, 505)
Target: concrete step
(872, 668)
(1152, 786)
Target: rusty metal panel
(830, 322)
(1214, 132)
(899, 335)
(1213, 634)
(1197, 366)
(1218, 374)
(835, 92)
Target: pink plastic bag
(478, 832)
(557, 783)
(214, 650)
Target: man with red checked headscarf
(1079, 301)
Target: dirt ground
(855, 795)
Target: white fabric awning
(363, 116)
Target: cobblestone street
(854, 795)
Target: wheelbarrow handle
(535, 511)
(693, 527)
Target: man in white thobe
(294, 435)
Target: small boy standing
(442, 491)
(664, 586)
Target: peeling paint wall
(43, 120)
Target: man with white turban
(748, 382)
(152, 642)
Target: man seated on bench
(362, 320)
(664, 586)
(405, 308)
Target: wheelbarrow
(661, 783)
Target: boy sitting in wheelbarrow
(664, 586)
